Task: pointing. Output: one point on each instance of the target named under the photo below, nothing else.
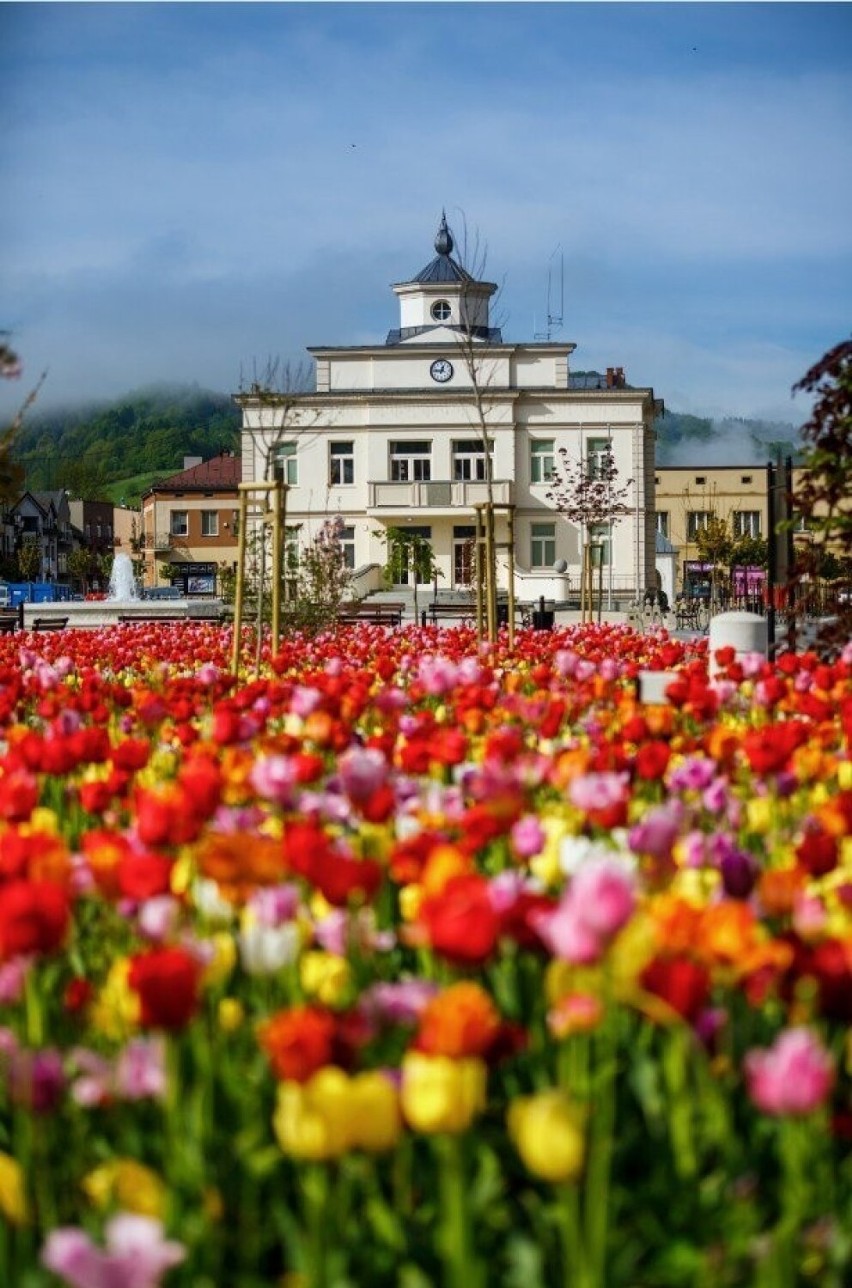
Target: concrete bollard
(743, 632)
(653, 685)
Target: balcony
(438, 494)
(162, 540)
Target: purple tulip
(739, 874)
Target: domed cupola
(443, 297)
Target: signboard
(748, 581)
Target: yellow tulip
(546, 1134)
(13, 1197)
(332, 1113)
(224, 958)
(311, 1119)
(759, 811)
(440, 1094)
(376, 1119)
(126, 1184)
(230, 1014)
(116, 1010)
(325, 976)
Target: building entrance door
(464, 547)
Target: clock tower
(441, 302)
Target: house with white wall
(394, 436)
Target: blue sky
(188, 189)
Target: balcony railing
(162, 540)
(438, 494)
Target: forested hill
(149, 432)
(734, 440)
(117, 449)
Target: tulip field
(405, 962)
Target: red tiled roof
(220, 473)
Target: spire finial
(444, 241)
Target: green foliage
(29, 560)
(145, 436)
(408, 552)
(82, 564)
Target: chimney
(610, 377)
(619, 377)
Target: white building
(392, 437)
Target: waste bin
(502, 614)
(544, 616)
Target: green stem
(574, 1269)
(317, 1216)
(601, 1142)
(460, 1270)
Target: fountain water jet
(122, 583)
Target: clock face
(441, 370)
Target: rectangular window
(469, 460)
(598, 456)
(341, 463)
(542, 545)
(745, 478)
(600, 539)
(696, 521)
(663, 522)
(411, 462)
(209, 523)
(179, 523)
(541, 460)
(700, 480)
(746, 523)
(347, 546)
(286, 464)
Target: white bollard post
(743, 632)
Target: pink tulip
(567, 935)
(794, 1076)
(363, 770)
(527, 837)
(603, 893)
(597, 791)
(136, 1254)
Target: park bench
(465, 611)
(9, 623)
(49, 623)
(379, 613)
(439, 610)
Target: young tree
(279, 394)
(715, 544)
(80, 565)
(29, 560)
(824, 495)
(409, 552)
(322, 579)
(475, 340)
(588, 498)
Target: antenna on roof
(555, 295)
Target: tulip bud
(546, 1133)
(440, 1094)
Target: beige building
(189, 526)
(688, 496)
(391, 437)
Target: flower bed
(403, 965)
